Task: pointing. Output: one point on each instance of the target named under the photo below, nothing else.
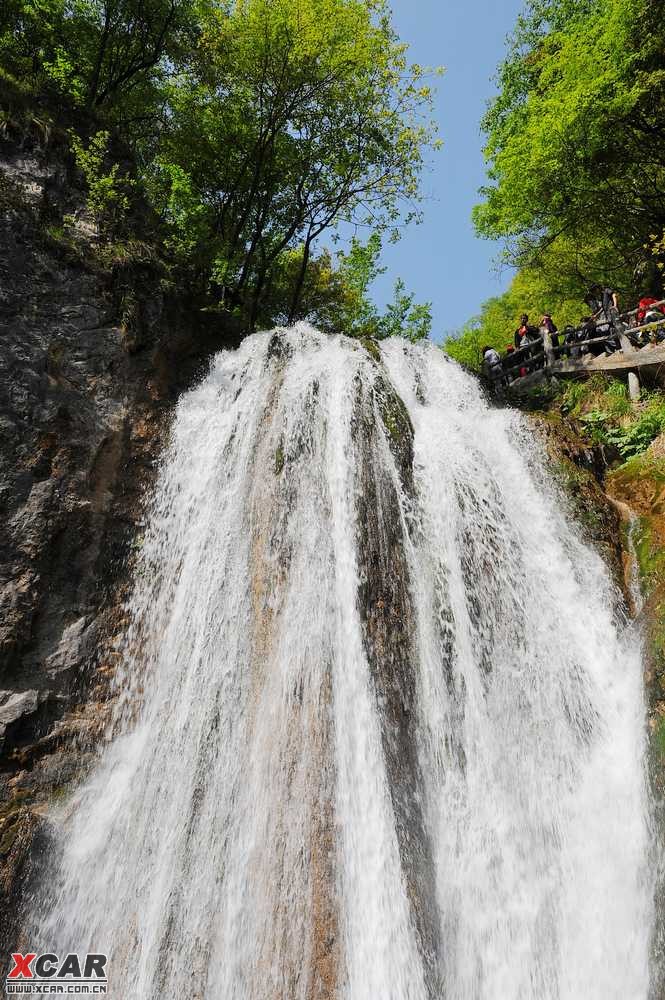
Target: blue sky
(441, 260)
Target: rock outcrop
(86, 386)
(580, 468)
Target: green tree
(296, 116)
(106, 54)
(404, 317)
(359, 316)
(336, 295)
(255, 127)
(359, 268)
(575, 145)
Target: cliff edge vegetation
(575, 168)
(243, 133)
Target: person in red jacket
(644, 308)
(522, 338)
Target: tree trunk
(297, 292)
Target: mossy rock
(577, 467)
(59, 793)
(640, 483)
(644, 472)
(8, 837)
(397, 422)
(650, 556)
(279, 458)
(578, 484)
(278, 348)
(394, 413)
(372, 348)
(61, 241)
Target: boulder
(16, 707)
(74, 650)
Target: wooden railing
(542, 354)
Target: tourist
(588, 330)
(570, 338)
(521, 332)
(604, 303)
(492, 362)
(510, 360)
(645, 310)
(645, 313)
(547, 323)
(493, 370)
(529, 336)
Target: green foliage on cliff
(108, 189)
(533, 291)
(256, 127)
(608, 417)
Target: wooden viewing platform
(575, 359)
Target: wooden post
(619, 329)
(626, 345)
(548, 347)
(634, 387)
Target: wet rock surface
(85, 397)
(580, 470)
(388, 622)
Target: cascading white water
(381, 734)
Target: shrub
(637, 436)
(108, 190)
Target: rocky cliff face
(579, 467)
(86, 386)
(620, 508)
(639, 485)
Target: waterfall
(380, 731)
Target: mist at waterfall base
(380, 730)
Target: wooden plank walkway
(543, 358)
(647, 357)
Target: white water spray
(390, 736)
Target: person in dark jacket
(603, 302)
(588, 330)
(604, 305)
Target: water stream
(381, 728)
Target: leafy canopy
(575, 139)
(575, 150)
(256, 127)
